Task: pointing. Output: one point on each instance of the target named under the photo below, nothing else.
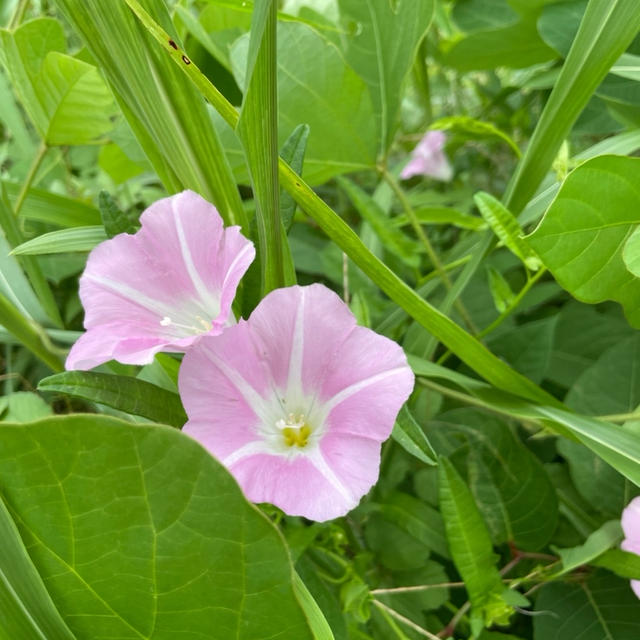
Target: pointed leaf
(126, 394)
(62, 241)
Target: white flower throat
(200, 325)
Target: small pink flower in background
(161, 288)
(428, 159)
(631, 528)
(296, 401)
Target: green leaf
(25, 50)
(63, 240)
(28, 333)
(506, 227)
(52, 208)
(391, 237)
(76, 102)
(500, 290)
(601, 540)
(167, 115)
(27, 609)
(606, 30)
(292, 153)
(410, 436)
(604, 489)
(623, 563)
(609, 385)
(317, 622)
(580, 239)
(149, 534)
(479, 15)
(512, 490)
(474, 129)
(126, 394)
(470, 545)
(559, 22)
(382, 49)
(602, 608)
(418, 520)
(257, 129)
(515, 45)
(23, 406)
(317, 87)
(631, 253)
(114, 221)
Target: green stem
(620, 417)
(431, 252)
(18, 14)
(514, 303)
(400, 618)
(30, 177)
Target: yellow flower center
(295, 431)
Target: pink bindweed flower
(296, 401)
(161, 288)
(428, 159)
(631, 528)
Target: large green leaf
(601, 608)
(139, 533)
(120, 392)
(26, 609)
(381, 48)
(165, 112)
(75, 100)
(317, 87)
(512, 490)
(25, 50)
(66, 98)
(581, 237)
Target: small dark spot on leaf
(186, 60)
(173, 44)
(298, 184)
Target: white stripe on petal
(294, 380)
(352, 389)
(130, 294)
(250, 449)
(250, 395)
(212, 304)
(317, 460)
(231, 268)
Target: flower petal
(631, 521)
(635, 585)
(166, 285)
(428, 158)
(297, 486)
(301, 329)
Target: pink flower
(296, 401)
(428, 159)
(161, 288)
(631, 528)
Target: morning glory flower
(428, 159)
(631, 528)
(296, 401)
(162, 288)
